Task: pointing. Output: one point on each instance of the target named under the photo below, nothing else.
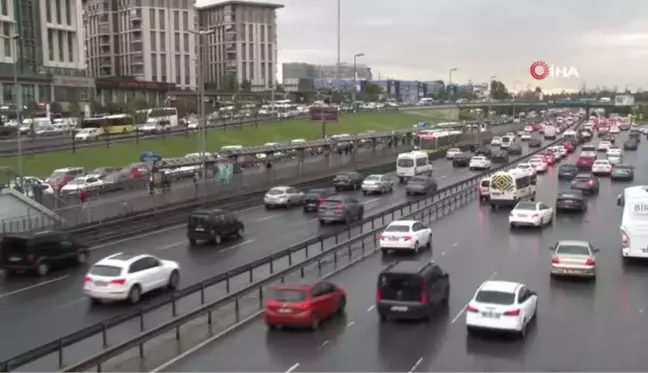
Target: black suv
(40, 252)
(348, 181)
(500, 156)
(314, 197)
(213, 226)
(411, 290)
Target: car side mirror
(532, 293)
(596, 249)
(552, 248)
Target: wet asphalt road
(581, 326)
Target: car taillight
(512, 313)
(382, 237)
(625, 240)
(87, 279)
(424, 296)
(590, 262)
(470, 308)
(118, 281)
(304, 306)
(536, 215)
(319, 200)
(555, 260)
(31, 257)
(340, 207)
(591, 183)
(378, 295)
(407, 238)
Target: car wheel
(268, 207)
(239, 232)
(42, 269)
(417, 247)
(512, 226)
(341, 306)
(82, 257)
(174, 280)
(192, 241)
(322, 222)
(384, 252)
(314, 322)
(218, 239)
(428, 245)
(135, 294)
(94, 302)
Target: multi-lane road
(581, 325)
(22, 299)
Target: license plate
(522, 215)
(311, 204)
(393, 238)
(101, 283)
(491, 315)
(285, 310)
(200, 229)
(399, 308)
(496, 193)
(15, 259)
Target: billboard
(624, 100)
(324, 114)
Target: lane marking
(71, 303)
(143, 235)
(350, 323)
(324, 343)
(247, 242)
(418, 362)
(371, 201)
(30, 287)
(371, 308)
(171, 245)
(292, 368)
(454, 244)
(265, 218)
(463, 309)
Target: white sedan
(496, 141)
(452, 152)
(603, 146)
(501, 306)
(601, 167)
(127, 276)
(613, 150)
(531, 214)
(88, 183)
(405, 235)
(525, 136)
(527, 168)
(479, 162)
(539, 164)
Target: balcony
(135, 15)
(230, 47)
(137, 59)
(230, 66)
(103, 29)
(104, 41)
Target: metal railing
(250, 278)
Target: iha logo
(541, 70)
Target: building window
(270, 35)
(43, 93)
(178, 71)
(154, 66)
(251, 32)
(68, 11)
(251, 54)
(7, 92)
(153, 43)
(263, 55)
(185, 21)
(162, 42)
(61, 47)
(185, 37)
(251, 70)
(5, 10)
(70, 40)
(176, 20)
(262, 33)
(50, 42)
(161, 20)
(152, 18)
(176, 39)
(58, 12)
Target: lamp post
(514, 96)
(450, 71)
(490, 94)
(355, 77)
(202, 120)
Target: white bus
(167, 116)
(634, 222)
(507, 188)
(411, 164)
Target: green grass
(177, 146)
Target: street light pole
(449, 87)
(490, 95)
(514, 96)
(355, 77)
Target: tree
(56, 107)
(246, 86)
(371, 92)
(498, 90)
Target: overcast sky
(606, 42)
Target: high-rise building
(147, 41)
(43, 39)
(243, 46)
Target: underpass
(580, 324)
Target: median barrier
(359, 238)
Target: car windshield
(528, 206)
(372, 178)
(478, 158)
(275, 192)
(485, 183)
(400, 287)
(105, 270)
(572, 250)
(398, 228)
(289, 295)
(76, 182)
(315, 192)
(623, 167)
(454, 150)
(524, 166)
(405, 163)
(342, 177)
(495, 297)
(57, 174)
(417, 180)
(568, 167)
(570, 194)
(583, 178)
(601, 163)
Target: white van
(550, 133)
(227, 148)
(634, 222)
(411, 164)
(507, 188)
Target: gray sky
(606, 42)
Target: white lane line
(21, 290)
(247, 242)
(418, 362)
(454, 244)
(171, 245)
(463, 309)
(350, 323)
(371, 308)
(373, 200)
(143, 235)
(292, 368)
(324, 343)
(78, 300)
(265, 218)
(442, 177)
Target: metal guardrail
(296, 258)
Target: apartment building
(243, 44)
(43, 41)
(140, 49)
(301, 70)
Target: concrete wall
(19, 213)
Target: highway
(581, 326)
(22, 299)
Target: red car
(569, 147)
(585, 163)
(304, 305)
(549, 157)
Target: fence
(229, 289)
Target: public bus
(430, 142)
(166, 116)
(112, 124)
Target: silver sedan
(573, 258)
(283, 196)
(377, 184)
